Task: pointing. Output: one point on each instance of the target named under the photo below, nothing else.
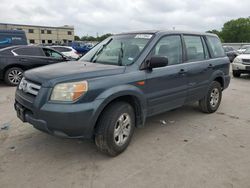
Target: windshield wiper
(99, 51)
(120, 57)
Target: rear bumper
(65, 120)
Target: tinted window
(29, 51)
(215, 47)
(170, 47)
(52, 53)
(194, 47)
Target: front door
(53, 56)
(166, 87)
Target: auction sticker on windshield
(143, 36)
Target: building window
(49, 41)
(43, 41)
(69, 33)
(31, 30)
(49, 32)
(19, 29)
(42, 31)
(32, 41)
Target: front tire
(115, 128)
(13, 76)
(236, 73)
(211, 102)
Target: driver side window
(170, 47)
(52, 53)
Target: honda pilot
(122, 81)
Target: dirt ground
(190, 149)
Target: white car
(241, 63)
(67, 51)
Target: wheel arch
(12, 66)
(135, 99)
(219, 77)
(220, 80)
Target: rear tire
(115, 128)
(236, 73)
(211, 102)
(13, 76)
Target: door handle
(182, 71)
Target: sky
(92, 17)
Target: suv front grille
(29, 87)
(247, 61)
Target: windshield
(118, 50)
(247, 51)
(245, 46)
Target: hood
(70, 71)
(244, 56)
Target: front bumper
(65, 120)
(241, 67)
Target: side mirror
(157, 61)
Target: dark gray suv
(122, 81)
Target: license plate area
(20, 112)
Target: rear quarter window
(29, 51)
(215, 47)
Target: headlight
(237, 60)
(69, 92)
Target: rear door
(199, 69)
(166, 87)
(30, 57)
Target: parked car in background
(231, 52)
(81, 47)
(122, 81)
(243, 49)
(11, 38)
(67, 51)
(16, 59)
(241, 63)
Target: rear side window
(215, 46)
(29, 51)
(194, 47)
(170, 47)
(52, 53)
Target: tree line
(236, 30)
(92, 38)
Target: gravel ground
(189, 149)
